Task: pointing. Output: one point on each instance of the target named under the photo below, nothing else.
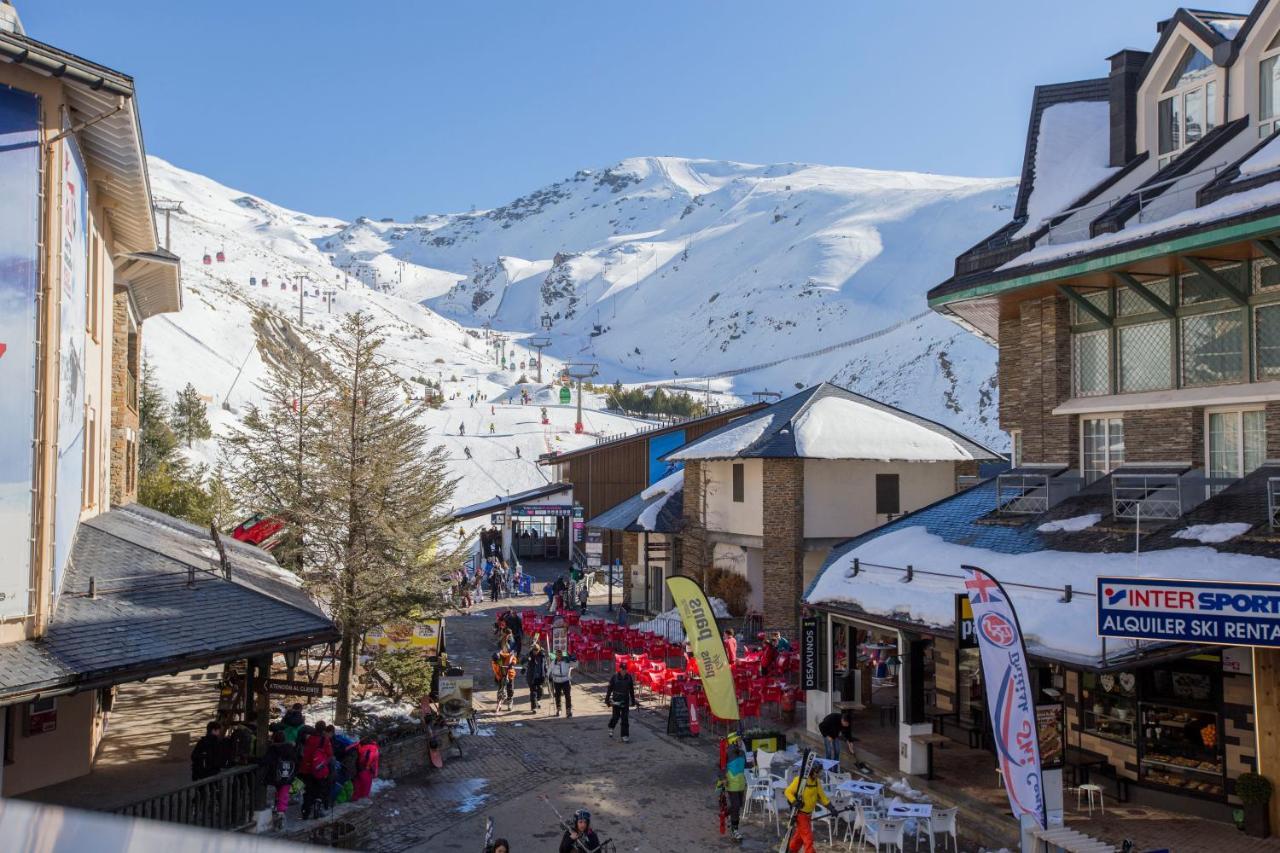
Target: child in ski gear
(317, 756)
(280, 765)
(504, 675)
(621, 696)
(735, 781)
(535, 673)
(805, 795)
(580, 831)
(368, 757)
(561, 670)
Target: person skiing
(504, 675)
(804, 795)
(467, 451)
(490, 427)
(535, 673)
(734, 779)
(462, 429)
(621, 696)
(518, 452)
(580, 836)
(280, 765)
(561, 672)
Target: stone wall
(1035, 377)
(695, 552)
(124, 413)
(783, 544)
(630, 557)
(1164, 435)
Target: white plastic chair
(759, 790)
(941, 822)
(863, 814)
(884, 831)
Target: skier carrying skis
(504, 675)
(804, 795)
(580, 836)
(621, 696)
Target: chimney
(1126, 72)
(9, 20)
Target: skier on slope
(467, 450)
(462, 429)
(490, 427)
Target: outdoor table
(936, 716)
(828, 764)
(1083, 759)
(910, 810)
(929, 740)
(853, 786)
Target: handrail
(910, 572)
(225, 801)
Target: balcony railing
(1161, 495)
(1033, 492)
(225, 801)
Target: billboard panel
(658, 445)
(73, 277)
(19, 280)
(1232, 613)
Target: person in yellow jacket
(809, 793)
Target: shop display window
(1180, 726)
(1109, 705)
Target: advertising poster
(19, 279)
(659, 445)
(703, 636)
(73, 277)
(422, 637)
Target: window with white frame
(1269, 89)
(1101, 445)
(1235, 443)
(1188, 105)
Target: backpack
(319, 764)
(284, 770)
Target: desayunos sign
(1236, 614)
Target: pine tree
(189, 418)
(382, 520)
(270, 458)
(166, 482)
(156, 441)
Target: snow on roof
(1072, 150)
(1070, 525)
(1264, 159)
(735, 439)
(838, 428)
(1228, 28)
(1213, 533)
(1053, 629)
(671, 483)
(664, 489)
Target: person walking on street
(535, 673)
(517, 631)
(583, 589)
(735, 781)
(368, 759)
(561, 673)
(280, 766)
(621, 696)
(580, 837)
(494, 585)
(805, 795)
(317, 756)
(504, 676)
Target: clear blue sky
(393, 108)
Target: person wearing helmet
(805, 795)
(621, 696)
(560, 674)
(735, 780)
(580, 836)
(501, 845)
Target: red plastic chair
(749, 709)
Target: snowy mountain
(661, 270)
(669, 269)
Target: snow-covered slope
(664, 268)
(210, 343)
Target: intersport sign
(1189, 611)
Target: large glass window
(1145, 357)
(1130, 303)
(1236, 443)
(1213, 348)
(1269, 90)
(1101, 446)
(1189, 112)
(1090, 363)
(1110, 705)
(1196, 289)
(1267, 341)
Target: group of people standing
(567, 593)
(538, 666)
(332, 767)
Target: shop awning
(147, 594)
(501, 502)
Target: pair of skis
(806, 764)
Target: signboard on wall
(659, 445)
(424, 636)
(540, 510)
(1190, 611)
(73, 278)
(964, 623)
(810, 668)
(1050, 729)
(594, 547)
(19, 281)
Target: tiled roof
(145, 618)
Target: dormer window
(1188, 105)
(1269, 89)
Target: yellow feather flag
(708, 649)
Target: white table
(910, 810)
(828, 764)
(853, 786)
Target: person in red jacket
(367, 755)
(730, 646)
(317, 757)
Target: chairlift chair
(207, 260)
(222, 257)
(253, 281)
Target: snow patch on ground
(1071, 525)
(835, 428)
(1213, 533)
(380, 785)
(474, 797)
(379, 707)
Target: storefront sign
(282, 687)
(810, 673)
(594, 548)
(1008, 689)
(703, 636)
(541, 510)
(579, 524)
(497, 519)
(1236, 660)
(1049, 727)
(964, 623)
(19, 271)
(422, 637)
(1226, 612)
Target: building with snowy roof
(767, 495)
(1135, 301)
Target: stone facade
(784, 546)
(630, 557)
(1164, 435)
(695, 550)
(1035, 377)
(125, 359)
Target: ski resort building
(768, 495)
(1135, 301)
(95, 591)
